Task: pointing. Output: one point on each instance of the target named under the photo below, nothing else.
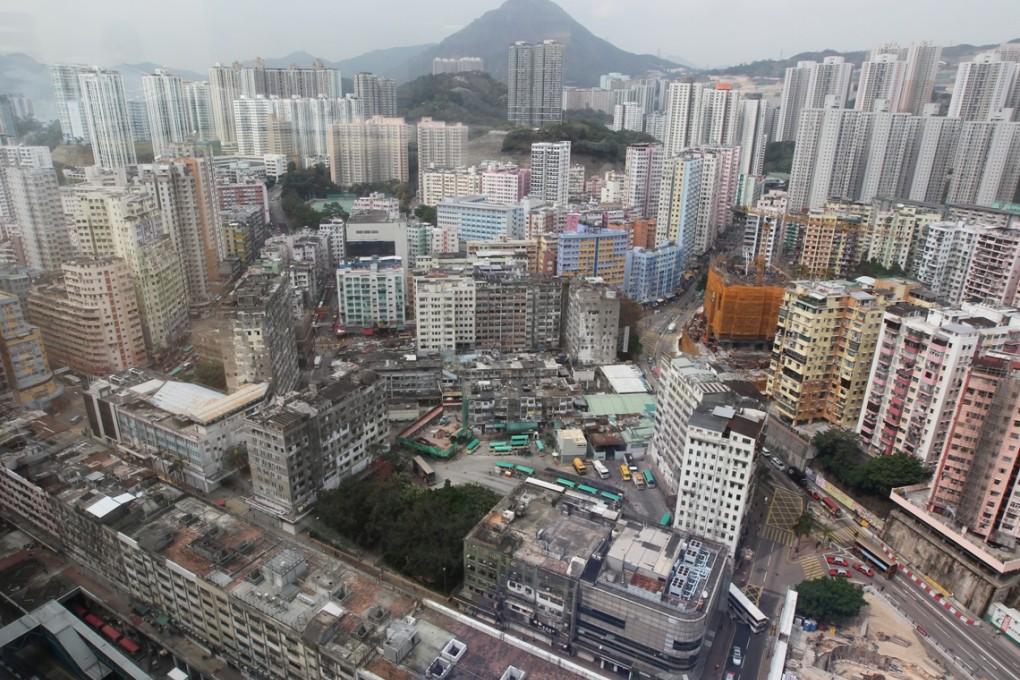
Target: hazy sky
(195, 33)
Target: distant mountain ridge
(586, 56)
(775, 68)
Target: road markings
(784, 509)
(812, 566)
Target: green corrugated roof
(620, 404)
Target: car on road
(730, 675)
(814, 494)
(843, 573)
(737, 656)
(867, 571)
(765, 453)
(837, 560)
(780, 465)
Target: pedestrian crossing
(777, 535)
(812, 566)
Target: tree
(426, 213)
(211, 374)
(838, 450)
(884, 473)
(417, 531)
(779, 157)
(236, 457)
(833, 600)
(803, 526)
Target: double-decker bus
(424, 470)
(649, 479)
(745, 611)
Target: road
(975, 650)
(279, 220)
(972, 651)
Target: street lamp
(444, 580)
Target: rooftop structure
(563, 564)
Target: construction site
(742, 301)
(882, 643)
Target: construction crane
(759, 270)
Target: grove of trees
(833, 600)
(586, 138)
(419, 532)
(840, 455)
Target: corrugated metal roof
(619, 404)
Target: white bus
(601, 469)
(743, 610)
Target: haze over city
(196, 33)
(400, 340)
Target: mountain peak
(586, 56)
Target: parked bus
(831, 506)
(666, 520)
(601, 469)
(588, 489)
(649, 479)
(580, 467)
(520, 441)
(883, 565)
(625, 472)
(504, 468)
(524, 471)
(472, 445)
(569, 484)
(611, 497)
(743, 610)
(424, 470)
(539, 446)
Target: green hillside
(472, 98)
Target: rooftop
(625, 378)
(531, 525)
(620, 404)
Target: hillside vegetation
(474, 98)
(586, 139)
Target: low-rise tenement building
(311, 441)
(183, 430)
(270, 607)
(566, 569)
(495, 405)
(825, 340)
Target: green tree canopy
(833, 600)
(417, 531)
(590, 139)
(840, 454)
(779, 157)
(882, 474)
